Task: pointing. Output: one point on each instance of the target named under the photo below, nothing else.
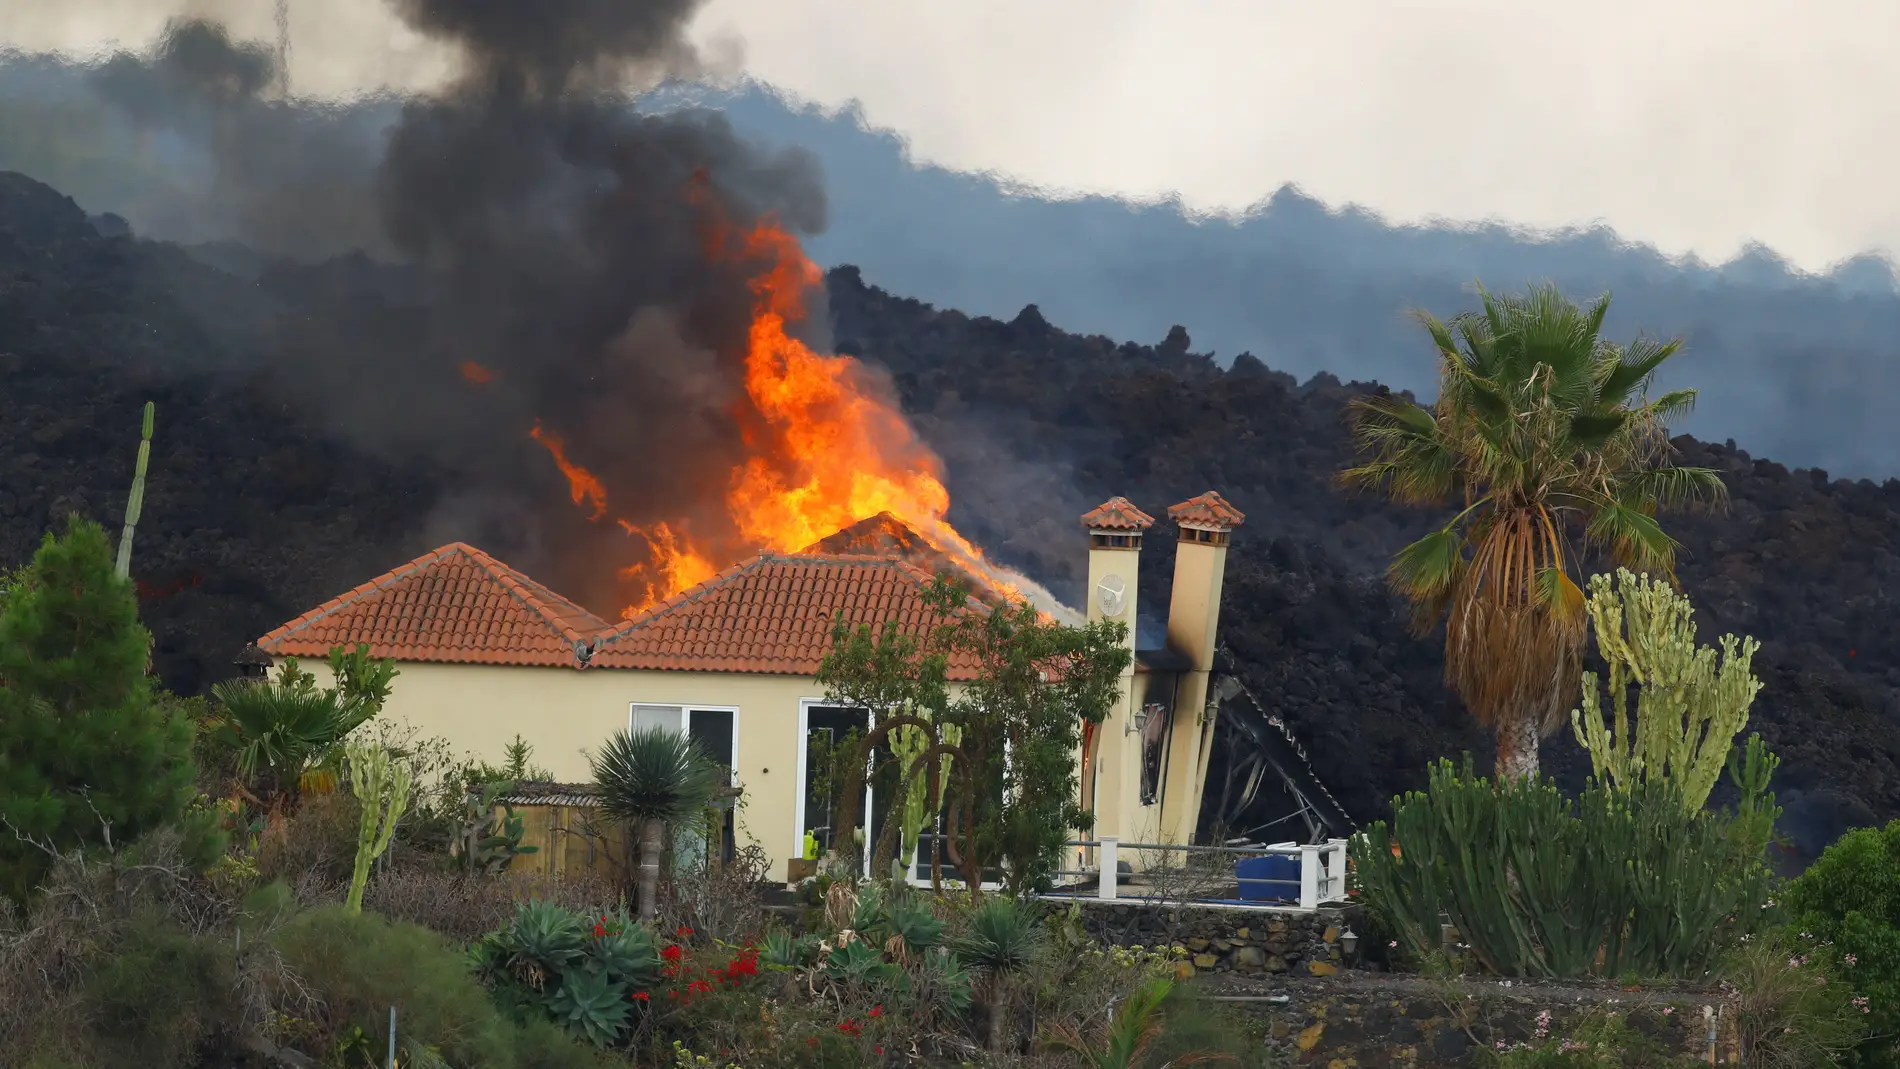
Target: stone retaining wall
(1222, 940)
(1372, 1022)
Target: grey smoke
(539, 228)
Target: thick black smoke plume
(550, 267)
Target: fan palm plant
(281, 730)
(650, 777)
(1546, 439)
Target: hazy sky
(1696, 125)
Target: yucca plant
(1006, 939)
(650, 777)
(1544, 438)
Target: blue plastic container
(1254, 874)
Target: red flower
(699, 987)
(877, 1011)
(811, 1041)
(877, 1050)
(641, 996)
(851, 1028)
(673, 953)
(599, 930)
(683, 932)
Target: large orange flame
(581, 483)
(837, 451)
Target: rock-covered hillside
(256, 510)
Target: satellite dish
(1111, 594)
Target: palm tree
(649, 777)
(1545, 437)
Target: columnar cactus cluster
(382, 787)
(1690, 704)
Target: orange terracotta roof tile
(773, 615)
(1210, 510)
(454, 604)
(1116, 514)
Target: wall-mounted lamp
(1138, 724)
(1348, 942)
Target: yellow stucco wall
(564, 712)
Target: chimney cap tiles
(1208, 512)
(1117, 514)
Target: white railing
(1322, 872)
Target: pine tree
(89, 757)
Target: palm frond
(1592, 430)
(1668, 488)
(1671, 405)
(1634, 370)
(1632, 537)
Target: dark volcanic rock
(255, 511)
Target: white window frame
(805, 706)
(686, 711)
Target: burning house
(487, 653)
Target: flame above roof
(885, 537)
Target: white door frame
(686, 723)
(805, 706)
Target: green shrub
(1618, 881)
(1850, 898)
(1791, 1008)
(361, 964)
(160, 994)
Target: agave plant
(589, 1004)
(650, 777)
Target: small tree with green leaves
(1017, 720)
(88, 755)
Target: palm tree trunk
(1517, 749)
(652, 836)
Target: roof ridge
(516, 583)
(350, 596)
(690, 595)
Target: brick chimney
(1111, 759)
(1205, 523)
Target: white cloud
(1694, 124)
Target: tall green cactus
(382, 788)
(907, 744)
(1689, 708)
(136, 503)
